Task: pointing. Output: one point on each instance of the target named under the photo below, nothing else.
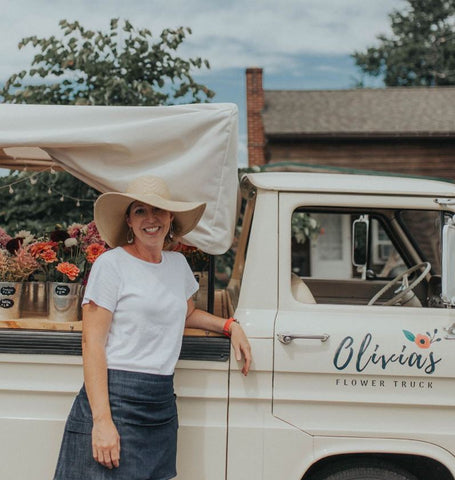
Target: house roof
(399, 111)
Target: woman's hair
(128, 210)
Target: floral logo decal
(422, 341)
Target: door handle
(287, 338)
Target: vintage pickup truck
(344, 285)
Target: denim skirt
(144, 411)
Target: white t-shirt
(149, 306)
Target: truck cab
(353, 379)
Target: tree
(121, 67)
(421, 49)
(38, 201)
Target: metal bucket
(34, 299)
(64, 299)
(10, 295)
(201, 296)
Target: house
(403, 130)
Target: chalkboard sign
(62, 290)
(6, 303)
(7, 291)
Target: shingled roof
(403, 111)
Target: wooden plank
(41, 323)
(49, 325)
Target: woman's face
(150, 224)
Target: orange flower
(180, 247)
(49, 256)
(422, 341)
(93, 251)
(68, 269)
(39, 247)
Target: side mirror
(360, 241)
(448, 263)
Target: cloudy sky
(301, 44)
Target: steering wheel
(404, 287)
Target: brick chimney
(254, 107)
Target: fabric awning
(193, 147)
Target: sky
(300, 44)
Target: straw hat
(110, 209)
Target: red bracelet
(227, 326)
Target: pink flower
(92, 236)
(74, 230)
(4, 238)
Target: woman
(123, 423)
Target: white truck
(344, 285)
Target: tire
(364, 471)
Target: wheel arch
(422, 467)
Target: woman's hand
(106, 443)
(196, 318)
(241, 346)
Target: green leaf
(409, 335)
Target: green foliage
(421, 49)
(121, 67)
(31, 207)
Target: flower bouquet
(66, 257)
(67, 254)
(15, 268)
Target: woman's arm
(196, 318)
(105, 437)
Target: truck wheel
(365, 471)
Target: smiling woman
(150, 226)
(137, 303)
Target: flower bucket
(10, 295)
(64, 301)
(201, 296)
(34, 299)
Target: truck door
(343, 368)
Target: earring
(130, 236)
(171, 231)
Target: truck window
(321, 247)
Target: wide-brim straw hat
(111, 207)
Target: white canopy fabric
(193, 147)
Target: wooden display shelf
(42, 323)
